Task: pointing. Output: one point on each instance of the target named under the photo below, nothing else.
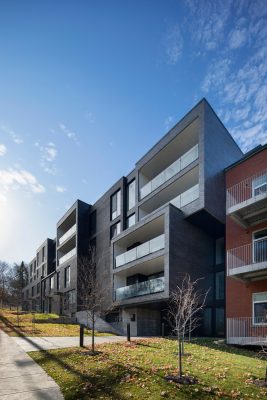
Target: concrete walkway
(20, 377)
(48, 343)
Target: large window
(220, 285)
(130, 220)
(259, 185)
(260, 308)
(67, 277)
(115, 230)
(220, 252)
(260, 246)
(69, 299)
(131, 195)
(115, 205)
(43, 254)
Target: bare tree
(91, 291)
(18, 281)
(185, 305)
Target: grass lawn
(137, 371)
(45, 325)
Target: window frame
(117, 196)
(253, 311)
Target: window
(34, 265)
(260, 246)
(37, 273)
(31, 269)
(43, 254)
(32, 291)
(67, 277)
(260, 308)
(92, 223)
(220, 285)
(58, 280)
(115, 205)
(130, 220)
(131, 195)
(115, 230)
(43, 270)
(259, 185)
(219, 322)
(220, 252)
(69, 299)
(52, 282)
(38, 287)
(37, 260)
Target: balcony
(67, 256)
(144, 249)
(140, 289)
(246, 331)
(248, 262)
(170, 171)
(67, 235)
(247, 200)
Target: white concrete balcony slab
(67, 235)
(67, 256)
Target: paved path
(20, 377)
(48, 343)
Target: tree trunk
(266, 375)
(18, 316)
(180, 358)
(93, 331)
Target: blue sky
(87, 87)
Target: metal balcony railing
(141, 288)
(142, 250)
(67, 234)
(249, 254)
(252, 188)
(67, 256)
(247, 330)
(170, 171)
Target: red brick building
(246, 247)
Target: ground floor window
(69, 299)
(219, 321)
(260, 308)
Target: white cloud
(48, 155)
(237, 38)
(3, 149)
(14, 179)
(60, 189)
(70, 134)
(14, 136)
(173, 45)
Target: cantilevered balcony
(67, 235)
(247, 200)
(173, 169)
(150, 286)
(67, 256)
(140, 251)
(248, 262)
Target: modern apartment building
(164, 219)
(246, 245)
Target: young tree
(185, 305)
(18, 281)
(91, 290)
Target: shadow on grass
(19, 330)
(220, 345)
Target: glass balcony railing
(140, 251)
(67, 234)
(141, 288)
(186, 197)
(169, 172)
(67, 256)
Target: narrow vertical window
(131, 195)
(115, 205)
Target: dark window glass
(58, 280)
(67, 277)
(220, 285)
(115, 205)
(207, 322)
(220, 251)
(131, 195)
(220, 321)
